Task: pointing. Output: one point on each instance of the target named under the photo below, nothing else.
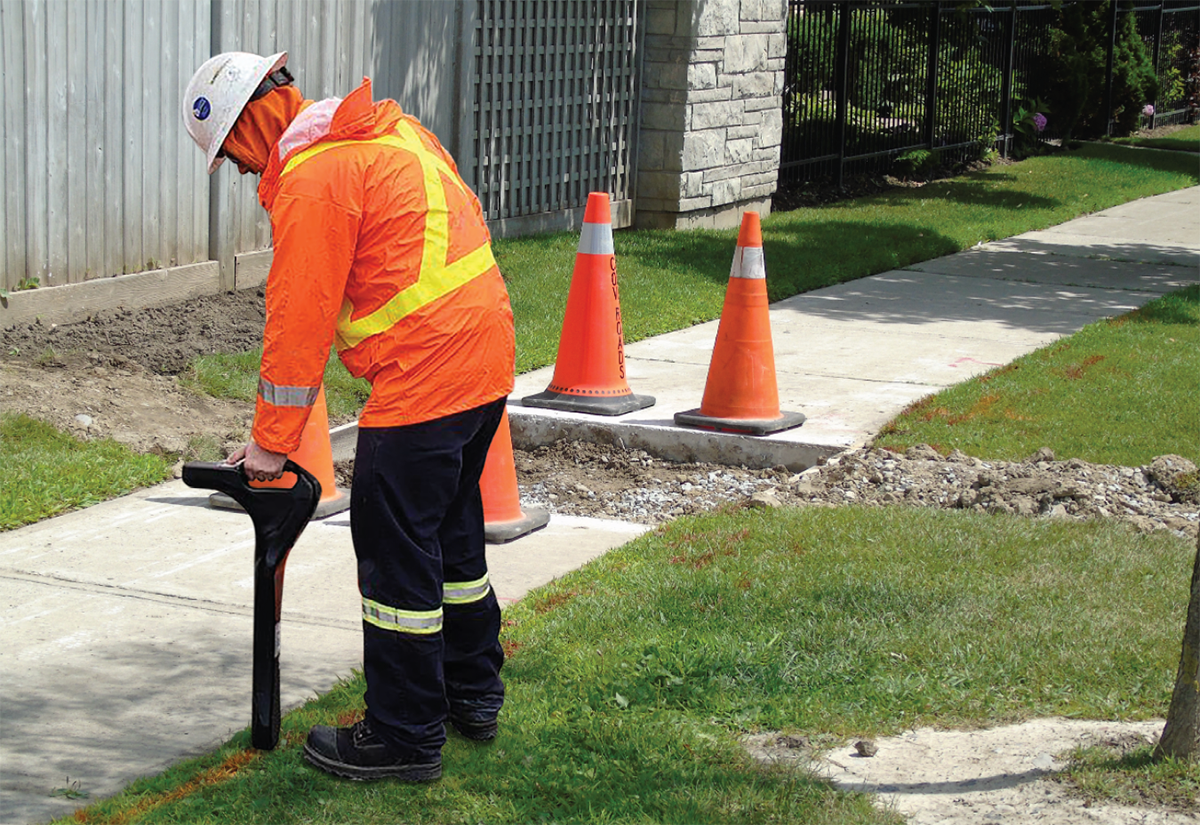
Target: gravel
(579, 478)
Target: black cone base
(745, 426)
(502, 532)
(595, 405)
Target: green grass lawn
(47, 472)
(1120, 391)
(1186, 139)
(630, 680)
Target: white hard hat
(218, 92)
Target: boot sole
(405, 773)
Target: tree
(1181, 734)
(1073, 78)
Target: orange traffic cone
(740, 395)
(315, 454)
(503, 518)
(589, 373)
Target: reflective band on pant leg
(466, 592)
(420, 622)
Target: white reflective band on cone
(748, 263)
(596, 239)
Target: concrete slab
(1007, 262)
(110, 686)
(208, 558)
(953, 306)
(1154, 221)
(565, 544)
(128, 631)
(1071, 244)
(848, 357)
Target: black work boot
(358, 753)
(475, 727)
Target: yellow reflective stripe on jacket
(437, 277)
(420, 622)
(466, 592)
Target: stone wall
(711, 115)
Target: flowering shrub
(1029, 121)
(1146, 120)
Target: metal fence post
(1157, 55)
(1006, 94)
(222, 206)
(842, 83)
(935, 45)
(1108, 89)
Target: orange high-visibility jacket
(382, 250)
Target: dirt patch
(116, 374)
(950, 777)
(117, 399)
(162, 339)
(585, 479)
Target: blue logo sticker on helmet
(201, 108)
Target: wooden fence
(537, 99)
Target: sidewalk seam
(207, 605)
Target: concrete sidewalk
(127, 633)
(852, 356)
(127, 625)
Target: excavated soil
(117, 375)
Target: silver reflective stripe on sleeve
(748, 263)
(420, 622)
(465, 592)
(281, 396)
(596, 239)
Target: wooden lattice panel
(555, 103)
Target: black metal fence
(868, 83)
(1169, 30)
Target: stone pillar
(711, 116)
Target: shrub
(917, 163)
(1029, 121)
(1075, 84)
(887, 70)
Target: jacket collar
(356, 117)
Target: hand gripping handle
(280, 514)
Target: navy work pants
(431, 621)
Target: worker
(381, 250)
